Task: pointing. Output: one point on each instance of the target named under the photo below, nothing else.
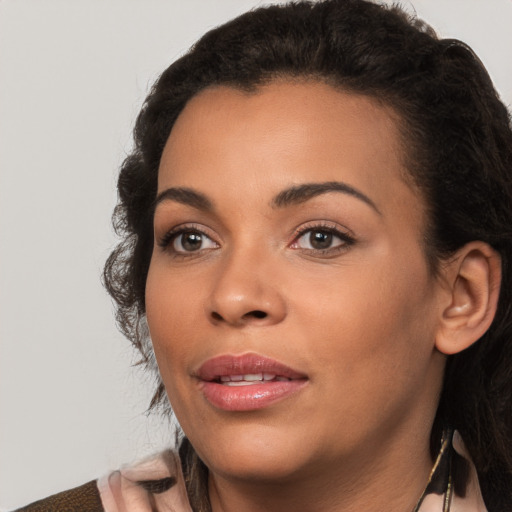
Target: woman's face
(289, 300)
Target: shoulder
(85, 498)
(154, 484)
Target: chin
(274, 469)
(254, 454)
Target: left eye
(192, 241)
(320, 240)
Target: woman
(316, 222)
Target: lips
(247, 382)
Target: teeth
(241, 383)
(230, 378)
(249, 378)
(253, 376)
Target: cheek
(371, 321)
(170, 319)
(372, 351)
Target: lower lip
(251, 397)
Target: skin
(359, 319)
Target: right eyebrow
(185, 196)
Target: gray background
(73, 75)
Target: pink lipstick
(247, 382)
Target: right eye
(192, 241)
(186, 241)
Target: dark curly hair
(457, 140)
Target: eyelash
(327, 228)
(168, 239)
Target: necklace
(440, 479)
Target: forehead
(284, 117)
(284, 134)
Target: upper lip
(229, 364)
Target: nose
(245, 293)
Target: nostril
(256, 314)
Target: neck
(381, 478)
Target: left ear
(473, 278)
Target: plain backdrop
(73, 75)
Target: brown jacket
(85, 498)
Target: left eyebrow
(306, 191)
